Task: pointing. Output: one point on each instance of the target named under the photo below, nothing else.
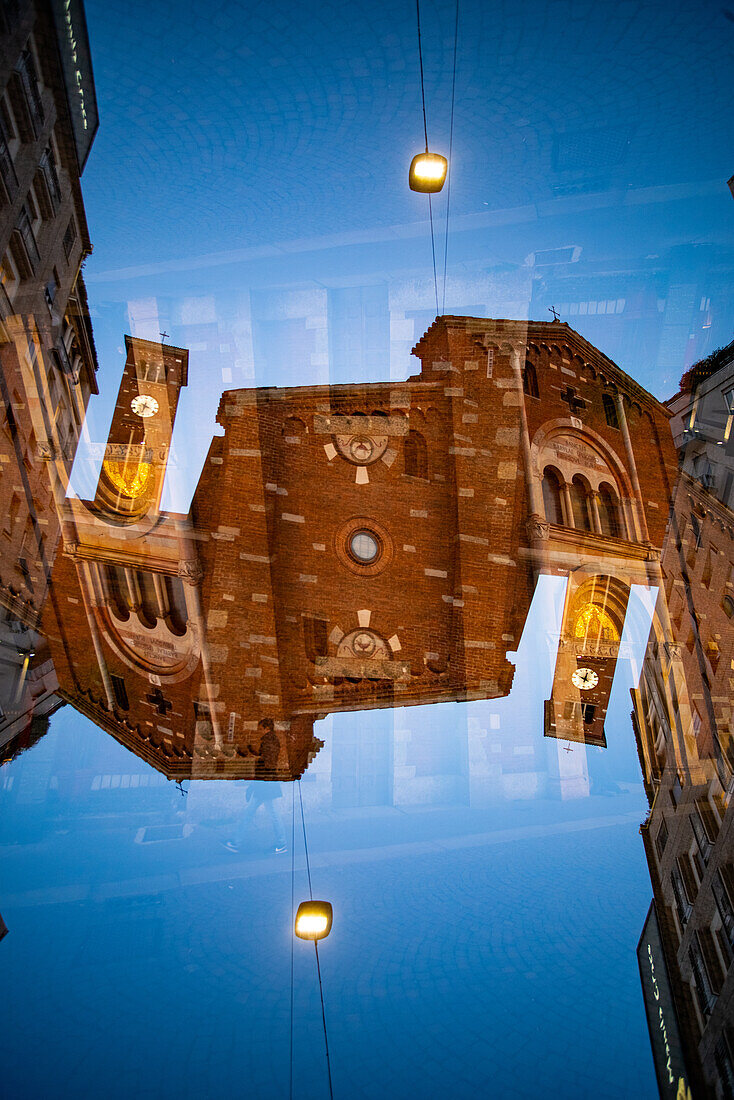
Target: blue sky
(249, 176)
(479, 944)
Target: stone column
(535, 496)
(595, 517)
(133, 590)
(161, 596)
(622, 418)
(192, 574)
(85, 585)
(567, 504)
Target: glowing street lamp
(313, 920)
(427, 172)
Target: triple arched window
(149, 596)
(575, 504)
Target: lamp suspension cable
(425, 134)
(293, 915)
(316, 947)
(451, 149)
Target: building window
(727, 605)
(7, 171)
(661, 839)
(69, 238)
(722, 886)
(696, 531)
(724, 1059)
(177, 615)
(120, 692)
(26, 70)
(364, 547)
(580, 504)
(12, 516)
(23, 244)
(415, 455)
(51, 287)
(552, 496)
(25, 96)
(48, 167)
(314, 636)
(609, 512)
(610, 410)
(729, 401)
(530, 380)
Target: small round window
(364, 546)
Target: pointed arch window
(552, 496)
(610, 410)
(530, 380)
(415, 455)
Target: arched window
(530, 380)
(610, 410)
(727, 605)
(552, 496)
(609, 512)
(118, 593)
(415, 455)
(580, 504)
(177, 617)
(149, 608)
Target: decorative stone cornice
(537, 527)
(190, 571)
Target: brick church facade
(360, 546)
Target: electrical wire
(420, 60)
(293, 918)
(305, 842)
(433, 251)
(425, 134)
(451, 149)
(316, 946)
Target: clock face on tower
(144, 405)
(585, 678)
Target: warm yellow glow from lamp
(313, 920)
(427, 173)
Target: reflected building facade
(218, 638)
(47, 356)
(683, 719)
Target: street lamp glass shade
(427, 172)
(313, 920)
